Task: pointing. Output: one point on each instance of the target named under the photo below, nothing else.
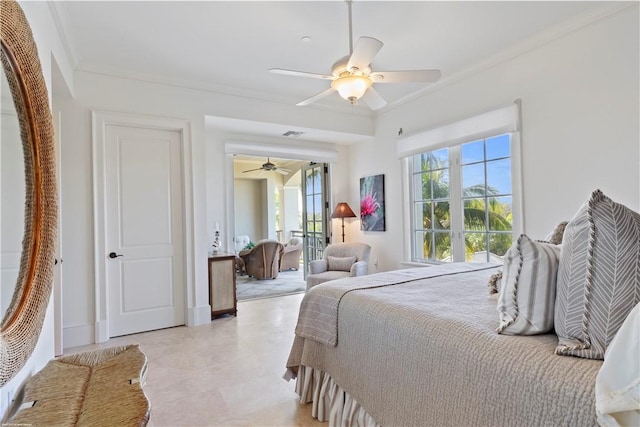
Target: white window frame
(495, 122)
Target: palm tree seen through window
(482, 171)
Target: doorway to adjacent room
(284, 200)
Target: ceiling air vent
(292, 133)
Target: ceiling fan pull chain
(350, 28)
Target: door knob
(114, 255)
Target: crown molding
(217, 88)
(61, 20)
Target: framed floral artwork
(372, 203)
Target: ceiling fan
(353, 78)
(269, 167)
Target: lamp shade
(342, 210)
(351, 87)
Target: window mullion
(408, 214)
(456, 206)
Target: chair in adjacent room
(290, 255)
(241, 241)
(261, 261)
(339, 260)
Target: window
(463, 201)
(432, 216)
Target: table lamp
(343, 211)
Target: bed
(419, 347)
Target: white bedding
(618, 382)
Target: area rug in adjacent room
(287, 282)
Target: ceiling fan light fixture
(351, 87)
(352, 77)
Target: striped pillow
(528, 288)
(598, 277)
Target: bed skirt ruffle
(329, 401)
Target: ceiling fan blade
(300, 74)
(373, 99)
(316, 97)
(409, 76)
(363, 52)
(252, 170)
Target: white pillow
(528, 288)
(618, 382)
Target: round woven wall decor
(22, 322)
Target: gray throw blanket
(318, 319)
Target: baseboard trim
(75, 336)
(199, 315)
(102, 331)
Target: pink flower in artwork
(368, 204)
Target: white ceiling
(228, 46)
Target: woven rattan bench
(96, 388)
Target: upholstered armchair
(339, 260)
(261, 261)
(290, 255)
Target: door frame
(99, 121)
(325, 202)
(58, 319)
(297, 152)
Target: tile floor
(226, 373)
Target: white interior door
(144, 238)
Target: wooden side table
(222, 284)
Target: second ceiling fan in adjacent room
(269, 167)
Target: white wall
(579, 118)
(268, 215)
(249, 208)
(257, 215)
